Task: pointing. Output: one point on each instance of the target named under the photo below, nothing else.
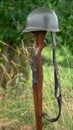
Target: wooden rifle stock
(38, 79)
(38, 76)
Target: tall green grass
(21, 108)
(65, 65)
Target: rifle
(37, 71)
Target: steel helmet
(42, 19)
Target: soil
(12, 128)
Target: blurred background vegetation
(16, 49)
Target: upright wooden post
(37, 87)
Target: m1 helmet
(42, 19)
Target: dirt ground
(13, 125)
(12, 128)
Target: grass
(21, 108)
(66, 80)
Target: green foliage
(64, 10)
(11, 20)
(13, 17)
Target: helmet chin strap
(57, 87)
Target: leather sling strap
(57, 87)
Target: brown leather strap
(57, 87)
